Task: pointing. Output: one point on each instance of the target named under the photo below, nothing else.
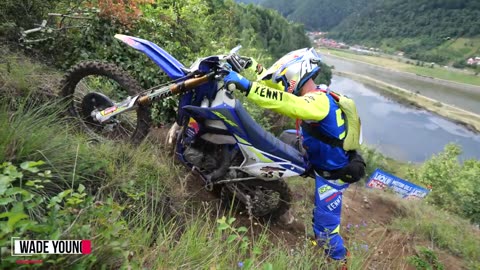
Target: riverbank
(455, 114)
(438, 73)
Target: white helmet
(294, 69)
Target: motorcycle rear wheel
(96, 85)
(269, 199)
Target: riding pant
(327, 216)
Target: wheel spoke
(103, 85)
(94, 85)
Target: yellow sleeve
(313, 106)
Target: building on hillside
(363, 50)
(473, 61)
(330, 43)
(315, 35)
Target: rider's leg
(327, 217)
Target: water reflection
(463, 96)
(402, 132)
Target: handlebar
(178, 88)
(237, 63)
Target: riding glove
(240, 82)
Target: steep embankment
(141, 210)
(381, 230)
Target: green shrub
(70, 214)
(426, 259)
(455, 185)
(15, 15)
(373, 159)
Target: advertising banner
(382, 180)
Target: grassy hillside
(460, 48)
(141, 210)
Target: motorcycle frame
(213, 106)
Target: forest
(186, 29)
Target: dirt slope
(365, 223)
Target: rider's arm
(314, 106)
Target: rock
(287, 218)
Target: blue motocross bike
(217, 138)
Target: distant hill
(415, 27)
(249, 1)
(314, 14)
(317, 14)
(420, 28)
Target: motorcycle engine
(203, 154)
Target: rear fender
(171, 66)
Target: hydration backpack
(353, 138)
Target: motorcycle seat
(264, 140)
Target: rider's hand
(253, 65)
(240, 82)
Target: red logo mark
(86, 246)
(292, 86)
(108, 111)
(130, 42)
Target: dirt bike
(218, 139)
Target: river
(402, 132)
(461, 95)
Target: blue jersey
(322, 155)
(317, 108)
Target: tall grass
(37, 132)
(22, 77)
(442, 230)
(203, 246)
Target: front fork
(131, 103)
(118, 108)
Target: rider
(300, 98)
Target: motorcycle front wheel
(267, 200)
(98, 85)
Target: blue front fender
(171, 66)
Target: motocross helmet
(294, 69)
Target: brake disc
(92, 101)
